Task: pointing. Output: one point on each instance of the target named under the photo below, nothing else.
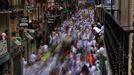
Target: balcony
(116, 40)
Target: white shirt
(73, 49)
(89, 44)
(85, 43)
(79, 43)
(93, 42)
(92, 69)
(69, 31)
(102, 30)
(45, 48)
(53, 40)
(102, 50)
(33, 57)
(97, 29)
(24, 62)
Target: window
(4, 4)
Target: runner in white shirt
(33, 58)
(44, 48)
(92, 69)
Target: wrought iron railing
(116, 40)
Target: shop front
(4, 57)
(16, 53)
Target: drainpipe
(112, 12)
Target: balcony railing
(116, 40)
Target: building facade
(124, 14)
(4, 25)
(131, 24)
(125, 17)
(11, 52)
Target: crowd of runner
(87, 46)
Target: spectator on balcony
(4, 35)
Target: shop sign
(17, 50)
(3, 47)
(24, 21)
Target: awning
(4, 58)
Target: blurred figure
(24, 62)
(84, 70)
(33, 58)
(38, 38)
(44, 48)
(92, 69)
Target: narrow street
(66, 37)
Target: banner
(3, 47)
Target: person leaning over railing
(4, 35)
